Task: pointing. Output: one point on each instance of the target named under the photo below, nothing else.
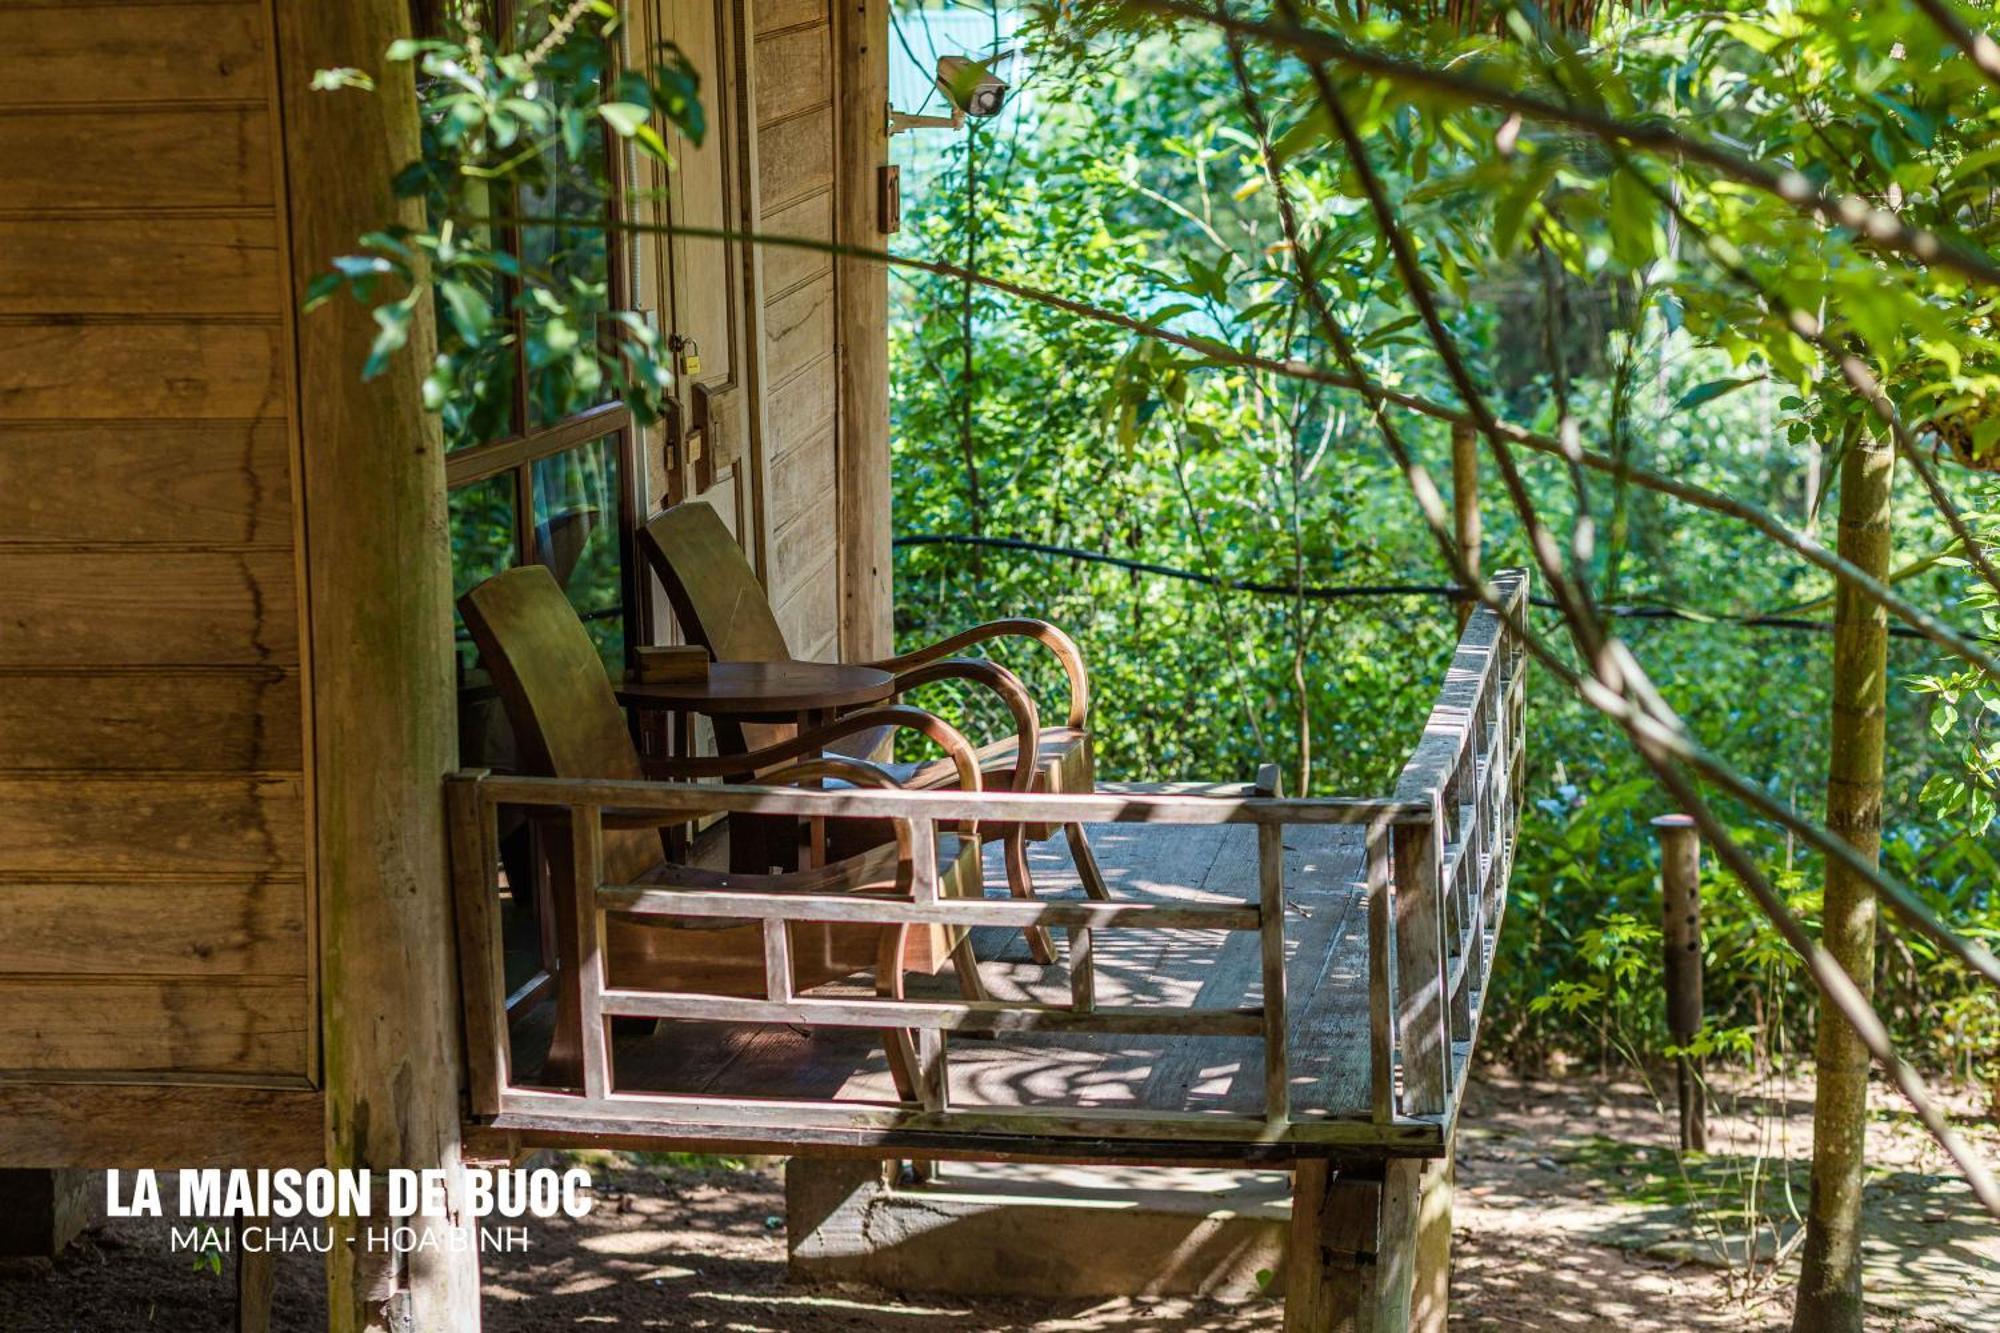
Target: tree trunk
(378, 566)
(1830, 1283)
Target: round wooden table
(809, 694)
(763, 691)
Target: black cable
(1321, 593)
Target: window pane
(563, 378)
(576, 536)
(481, 404)
(482, 543)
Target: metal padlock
(687, 352)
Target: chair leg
(897, 1043)
(965, 968)
(1040, 948)
(1086, 863)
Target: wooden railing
(1438, 854)
(1431, 939)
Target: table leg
(813, 855)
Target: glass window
(576, 536)
(537, 447)
(482, 541)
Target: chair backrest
(714, 592)
(567, 722)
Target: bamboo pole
(1465, 504)
(1680, 936)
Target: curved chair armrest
(844, 767)
(1041, 631)
(808, 744)
(841, 877)
(980, 671)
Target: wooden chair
(568, 723)
(723, 607)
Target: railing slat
(1082, 969)
(1271, 899)
(678, 802)
(989, 1016)
(777, 959)
(586, 836)
(475, 871)
(652, 900)
(1421, 1009)
(1381, 1013)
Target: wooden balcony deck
(1326, 966)
(1271, 980)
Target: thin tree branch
(1981, 49)
(1804, 545)
(1616, 689)
(1878, 226)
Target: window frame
(520, 450)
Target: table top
(749, 689)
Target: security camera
(973, 87)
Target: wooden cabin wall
(154, 901)
(795, 83)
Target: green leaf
(394, 322)
(1634, 235)
(345, 76)
(624, 117)
(467, 307)
(1711, 390)
(321, 290)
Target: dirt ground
(1572, 1214)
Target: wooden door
(701, 289)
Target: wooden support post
(42, 1210)
(383, 733)
(1680, 911)
(1369, 1254)
(256, 1279)
(1465, 502)
(861, 306)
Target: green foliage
(512, 145)
(1577, 292)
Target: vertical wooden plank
(256, 1279)
(861, 329)
(1305, 1252)
(475, 872)
(1381, 966)
(1420, 978)
(1271, 931)
(933, 1074)
(924, 859)
(378, 582)
(777, 960)
(586, 833)
(1082, 969)
(1353, 1258)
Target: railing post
(1271, 932)
(475, 876)
(586, 836)
(1381, 967)
(1422, 1012)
